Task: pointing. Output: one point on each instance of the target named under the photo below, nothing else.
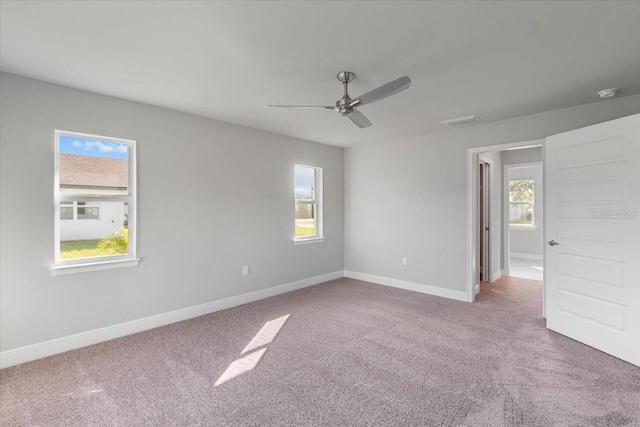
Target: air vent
(461, 121)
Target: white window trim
(83, 265)
(95, 266)
(533, 225)
(306, 241)
(319, 202)
(521, 227)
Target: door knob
(552, 242)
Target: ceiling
(228, 60)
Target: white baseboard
(525, 255)
(411, 286)
(83, 339)
(495, 276)
(476, 289)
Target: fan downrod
(343, 105)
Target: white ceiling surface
(228, 60)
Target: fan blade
(383, 91)
(304, 106)
(359, 119)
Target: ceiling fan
(346, 106)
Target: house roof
(91, 171)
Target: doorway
(488, 241)
(591, 291)
(524, 220)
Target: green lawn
(82, 249)
(305, 227)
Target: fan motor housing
(343, 106)
(345, 111)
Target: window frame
(81, 265)
(317, 202)
(532, 203)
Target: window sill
(94, 266)
(523, 227)
(307, 241)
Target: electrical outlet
(245, 270)
(404, 260)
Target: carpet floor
(342, 353)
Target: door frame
(486, 215)
(473, 221)
(506, 230)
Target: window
(94, 202)
(79, 210)
(67, 210)
(87, 210)
(521, 202)
(308, 204)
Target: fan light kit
(346, 106)
(608, 93)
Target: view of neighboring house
(84, 220)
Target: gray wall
(211, 198)
(529, 241)
(523, 155)
(407, 197)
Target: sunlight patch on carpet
(266, 334)
(241, 366)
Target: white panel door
(592, 255)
